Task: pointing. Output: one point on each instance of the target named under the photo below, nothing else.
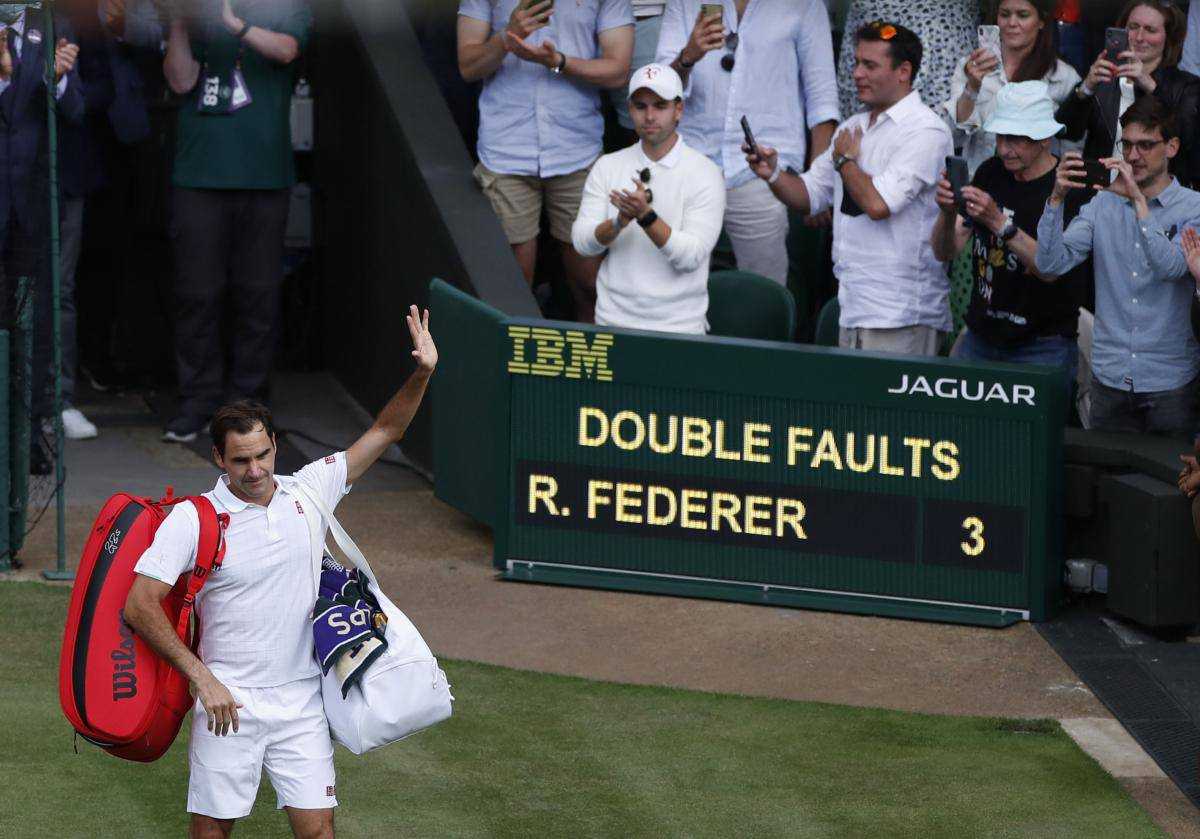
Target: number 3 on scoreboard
(976, 544)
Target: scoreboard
(775, 473)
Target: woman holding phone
(947, 32)
(1149, 68)
(1026, 54)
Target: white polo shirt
(255, 612)
(641, 286)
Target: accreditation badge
(216, 93)
(240, 95)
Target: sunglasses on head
(884, 30)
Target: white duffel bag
(403, 691)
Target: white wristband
(1085, 90)
(775, 175)
(972, 95)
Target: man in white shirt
(772, 62)
(256, 681)
(880, 177)
(656, 208)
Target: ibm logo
(537, 351)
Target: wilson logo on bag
(115, 691)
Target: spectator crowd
(1038, 156)
(1034, 159)
(227, 69)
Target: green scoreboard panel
(775, 473)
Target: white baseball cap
(660, 78)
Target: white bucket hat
(1024, 109)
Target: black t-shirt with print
(1009, 306)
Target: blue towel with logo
(347, 624)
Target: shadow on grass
(528, 754)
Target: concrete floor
(436, 565)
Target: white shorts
(282, 728)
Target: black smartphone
(1096, 173)
(1116, 42)
(959, 175)
(749, 135)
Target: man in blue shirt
(1145, 360)
(540, 128)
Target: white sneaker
(76, 426)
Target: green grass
(528, 754)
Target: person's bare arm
(394, 419)
(822, 136)
(950, 235)
(481, 51)
(179, 65)
(787, 187)
(275, 46)
(610, 70)
(144, 613)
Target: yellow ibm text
(538, 351)
(756, 442)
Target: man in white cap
(654, 210)
(1017, 313)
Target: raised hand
(707, 35)
(523, 22)
(981, 207)
(982, 63)
(1071, 174)
(424, 350)
(764, 163)
(1191, 251)
(1101, 71)
(64, 58)
(545, 54)
(6, 60)
(633, 204)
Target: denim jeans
(1049, 351)
(1168, 412)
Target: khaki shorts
(904, 340)
(517, 200)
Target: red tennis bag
(115, 690)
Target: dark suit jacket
(114, 112)
(1097, 115)
(24, 157)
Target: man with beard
(1145, 360)
(657, 209)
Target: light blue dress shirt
(532, 121)
(1143, 338)
(783, 80)
(1190, 60)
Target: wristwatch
(558, 68)
(839, 161)
(645, 221)
(1009, 232)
